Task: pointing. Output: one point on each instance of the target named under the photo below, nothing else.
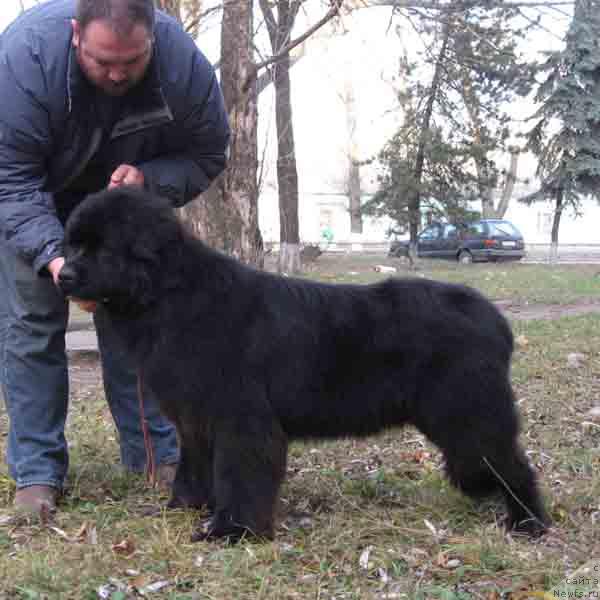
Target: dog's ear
(157, 239)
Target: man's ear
(76, 32)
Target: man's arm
(203, 121)
(28, 218)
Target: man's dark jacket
(173, 126)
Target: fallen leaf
(153, 587)
(594, 414)
(109, 590)
(132, 572)
(575, 360)
(125, 548)
(521, 341)
(199, 560)
(6, 519)
(430, 527)
(61, 533)
(82, 532)
(363, 561)
(92, 536)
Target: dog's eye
(78, 251)
(85, 241)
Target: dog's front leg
(193, 484)
(250, 456)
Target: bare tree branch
(461, 5)
(331, 13)
(539, 25)
(193, 24)
(270, 20)
(266, 77)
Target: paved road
(82, 340)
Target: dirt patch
(84, 372)
(524, 311)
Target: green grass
(386, 494)
(519, 282)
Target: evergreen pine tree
(566, 135)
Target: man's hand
(126, 175)
(54, 266)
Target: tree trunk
(414, 206)
(558, 209)
(202, 215)
(238, 186)
(287, 173)
(226, 215)
(488, 209)
(509, 184)
(190, 12)
(279, 29)
(354, 190)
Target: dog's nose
(66, 278)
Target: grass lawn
(370, 519)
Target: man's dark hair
(122, 15)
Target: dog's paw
(212, 530)
(225, 529)
(189, 501)
(531, 527)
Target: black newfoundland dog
(243, 361)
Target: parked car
(484, 240)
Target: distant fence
(579, 253)
(343, 247)
(536, 252)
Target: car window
(475, 229)
(431, 233)
(503, 228)
(450, 232)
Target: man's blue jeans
(34, 378)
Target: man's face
(114, 63)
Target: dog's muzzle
(67, 280)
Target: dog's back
(364, 356)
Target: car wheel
(465, 258)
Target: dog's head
(114, 245)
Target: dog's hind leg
(477, 431)
(526, 512)
(250, 456)
(503, 468)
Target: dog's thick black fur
(243, 361)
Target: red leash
(150, 470)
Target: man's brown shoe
(36, 499)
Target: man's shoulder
(170, 34)
(178, 53)
(42, 18)
(42, 31)
(34, 51)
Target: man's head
(113, 41)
